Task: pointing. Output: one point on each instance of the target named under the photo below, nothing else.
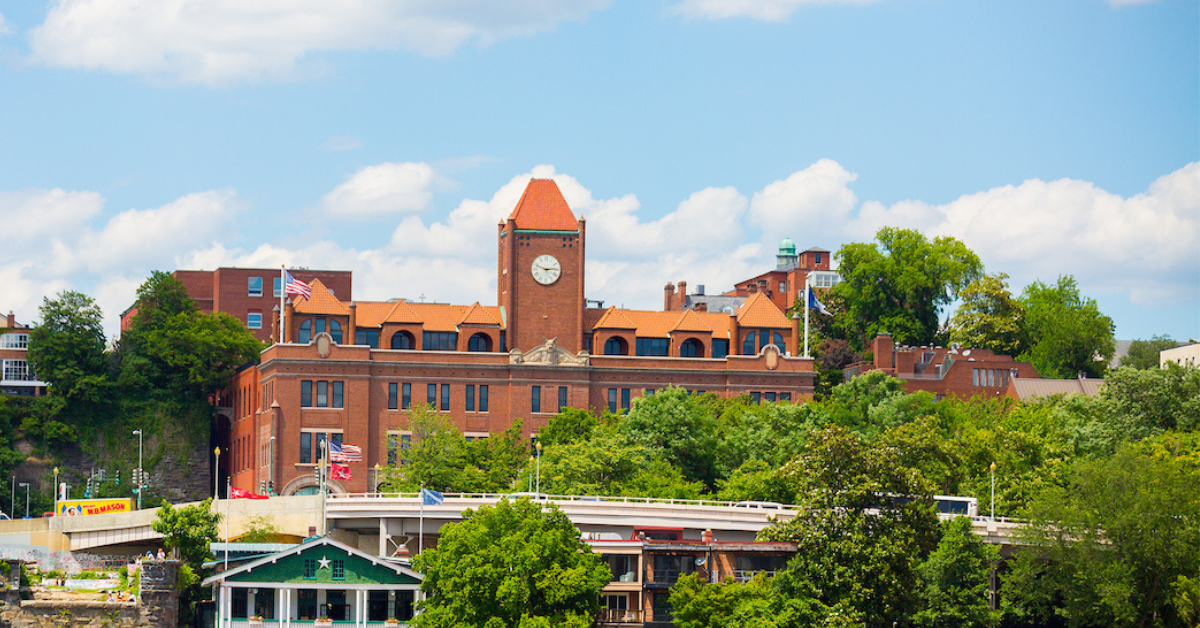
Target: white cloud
(809, 206)
(223, 41)
(765, 10)
(4, 29)
(389, 188)
(342, 142)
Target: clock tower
(540, 271)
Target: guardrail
(491, 497)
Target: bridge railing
(492, 497)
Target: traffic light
(145, 479)
(271, 487)
(118, 476)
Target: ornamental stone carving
(549, 354)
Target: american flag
(345, 453)
(295, 286)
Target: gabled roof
(402, 314)
(1034, 387)
(614, 319)
(322, 301)
(372, 314)
(758, 311)
(478, 315)
(691, 321)
(303, 547)
(543, 208)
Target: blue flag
(814, 304)
(430, 497)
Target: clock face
(546, 269)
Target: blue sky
(388, 138)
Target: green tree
(569, 426)
(189, 530)
(435, 459)
(67, 348)
(898, 286)
(1143, 354)
(1067, 332)
(675, 424)
(754, 604)
(1105, 547)
(955, 580)
(990, 318)
(515, 564)
(608, 463)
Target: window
(691, 348)
(748, 346)
(612, 400)
(479, 342)
(335, 330)
(625, 399)
(653, 346)
(483, 398)
(402, 340)
(470, 397)
(769, 397)
(562, 398)
(369, 337)
(14, 341)
(336, 389)
(310, 568)
(816, 258)
(756, 397)
(392, 444)
(785, 396)
(277, 287)
(720, 347)
(974, 377)
(406, 396)
(431, 395)
(535, 399)
(440, 341)
(783, 287)
(254, 320)
(254, 286)
(306, 394)
(17, 371)
(304, 336)
(616, 346)
(777, 339)
(326, 396)
(322, 394)
(393, 390)
(305, 447)
(338, 567)
(445, 397)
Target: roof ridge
(697, 323)
(619, 320)
(542, 207)
(321, 301)
(477, 314)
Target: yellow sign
(79, 507)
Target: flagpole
(421, 529)
(282, 293)
(228, 498)
(807, 296)
(324, 486)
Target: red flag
(237, 493)
(340, 471)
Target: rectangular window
(431, 396)
(439, 341)
(392, 444)
(653, 346)
(483, 398)
(470, 397)
(562, 398)
(305, 447)
(769, 397)
(991, 377)
(254, 320)
(14, 341)
(783, 287)
(720, 347)
(817, 258)
(625, 399)
(306, 394)
(368, 337)
(336, 401)
(785, 396)
(310, 568)
(406, 396)
(974, 377)
(393, 393)
(254, 286)
(445, 397)
(322, 400)
(612, 400)
(338, 567)
(278, 287)
(756, 397)
(535, 399)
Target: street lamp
(270, 464)
(217, 473)
(137, 477)
(26, 485)
(55, 491)
(531, 477)
(993, 490)
(539, 469)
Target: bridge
(382, 522)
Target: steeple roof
(322, 301)
(759, 311)
(543, 208)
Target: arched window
(335, 330)
(479, 342)
(748, 346)
(402, 340)
(305, 334)
(616, 346)
(691, 348)
(777, 340)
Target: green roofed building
(322, 579)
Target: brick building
(250, 295)
(16, 377)
(349, 371)
(944, 371)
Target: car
(754, 504)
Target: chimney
(707, 536)
(883, 348)
(12, 320)
(352, 324)
(668, 293)
(700, 290)
(751, 288)
(682, 288)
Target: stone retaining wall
(157, 605)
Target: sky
(389, 137)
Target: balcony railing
(618, 617)
(746, 575)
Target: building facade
(944, 371)
(350, 372)
(16, 376)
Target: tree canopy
(67, 348)
(515, 564)
(1068, 333)
(990, 318)
(1143, 354)
(188, 529)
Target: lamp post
(55, 491)
(539, 469)
(217, 473)
(12, 504)
(531, 477)
(26, 485)
(270, 465)
(137, 477)
(993, 468)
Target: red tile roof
(542, 207)
(322, 302)
(479, 315)
(758, 311)
(691, 321)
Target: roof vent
(700, 290)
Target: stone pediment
(549, 354)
